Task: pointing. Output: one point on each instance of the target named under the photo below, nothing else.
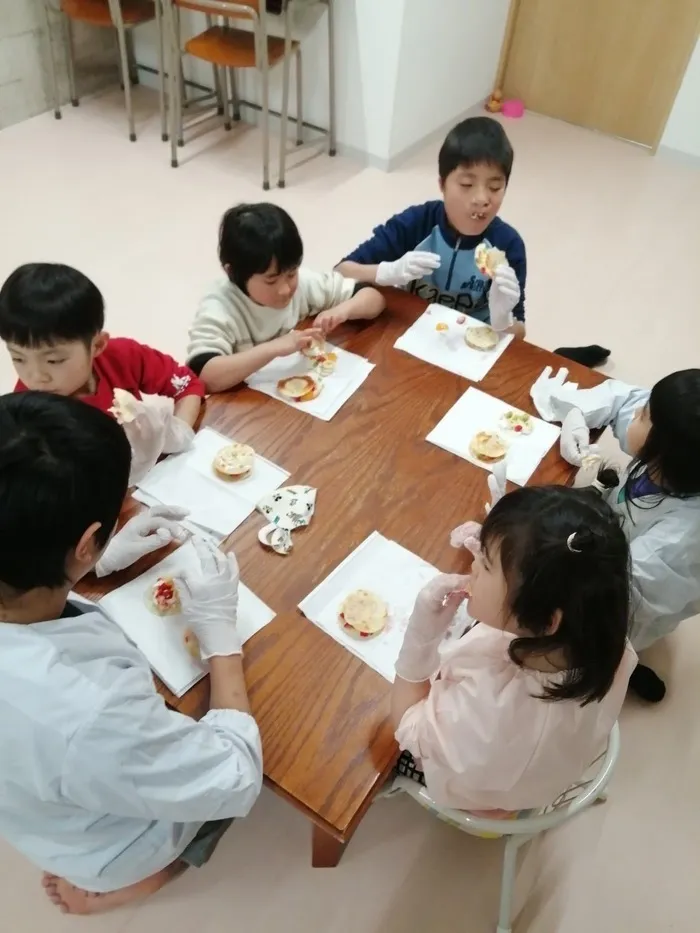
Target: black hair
(253, 236)
(43, 303)
(63, 466)
(564, 550)
(672, 448)
(476, 141)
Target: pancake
(124, 406)
(481, 338)
(235, 461)
(163, 598)
(299, 388)
(488, 259)
(487, 447)
(363, 614)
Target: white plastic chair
(517, 832)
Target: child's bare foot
(72, 900)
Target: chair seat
(232, 48)
(96, 12)
(202, 8)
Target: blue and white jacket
(457, 283)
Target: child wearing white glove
(107, 791)
(511, 714)
(430, 248)
(250, 317)
(657, 496)
(155, 528)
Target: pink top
(485, 742)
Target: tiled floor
(613, 240)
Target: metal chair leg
(131, 57)
(227, 99)
(300, 98)
(124, 65)
(70, 57)
(510, 862)
(284, 116)
(265, 112)
(331, 81)
(174, 77)
(161, 72)
(235, 102)
(216, 73)
(52, 63)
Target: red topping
(165, 591)
(518, 427)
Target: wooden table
(324, 715)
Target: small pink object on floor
(513, 108)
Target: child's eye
(466, 184)
(55, 362)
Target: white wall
(404, 68)
(24, 60)
(682, 131)
(449, 55)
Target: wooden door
(611, 65)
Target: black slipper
(588, 356)
(647, 685)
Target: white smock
(663, 531)
(100, 782)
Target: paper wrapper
(286, 509)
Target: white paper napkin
(393, 573)
(218, 505)
(160, 638)
(448, 349)
(350, 372)
(476, 411)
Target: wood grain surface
(323, 714)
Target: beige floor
(613, 240)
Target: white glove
(468, 536)
(411, 266)
(575, 443)
(142, 535)
(435, 608)
(179, 436)
(209, 598)
(497, 483)
(549, 393)
(504, 295)
(154, 431)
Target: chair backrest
(583, 795)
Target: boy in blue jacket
(429, 248)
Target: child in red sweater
(52, 321)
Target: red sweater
(127, 364)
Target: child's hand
(297, 340)
(331, 318)
(504, 295)
(142, 535)
(436, 605)
(209, 598)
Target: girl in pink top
(511, 714)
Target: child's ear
(87, 550)
(99, 343)
(556, 622)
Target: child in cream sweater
(249, 318)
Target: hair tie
(570, 544)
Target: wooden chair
(122, 16)
(228, 49)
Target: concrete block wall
(25, 88)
